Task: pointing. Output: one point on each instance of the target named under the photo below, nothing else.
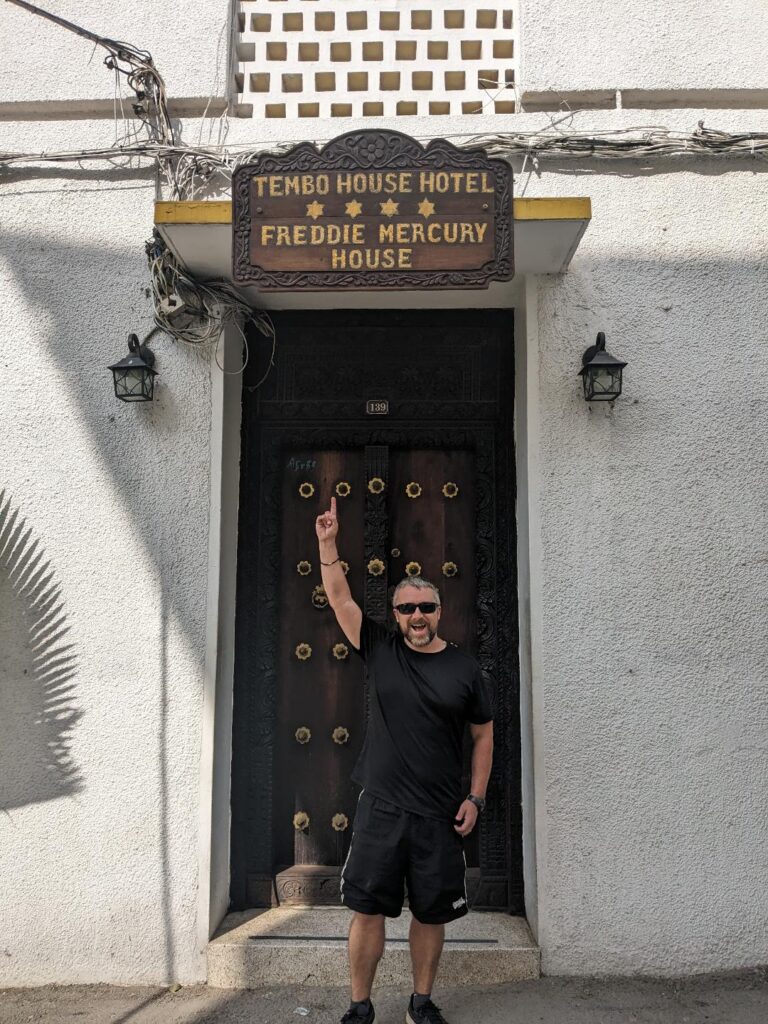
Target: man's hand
(348, 614)
(327, 525)
(467, 818)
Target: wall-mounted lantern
(134, 376)
(600, 373)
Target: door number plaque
(377, 407)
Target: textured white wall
(44, 62)
(651, 717)
(99, 830)
(642, 44)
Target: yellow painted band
(207, 212)
(577, 208)
(220, 211)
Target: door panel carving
(324, 690)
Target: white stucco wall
(650, 555)
(100, 758)
(45, 63)
(648, 44)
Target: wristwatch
(477, 801)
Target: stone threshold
(307, 946)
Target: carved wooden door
(445, 383)
(401, 513)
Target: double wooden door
(417, 494)
(402, 513)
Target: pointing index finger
(333, 507)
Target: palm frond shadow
(38, 666)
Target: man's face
(419, 628)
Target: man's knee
(367, 930)
(372, 922)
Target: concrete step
(307, 946)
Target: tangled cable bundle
(189, 169)
(150, 105)
(195, 311)
(634, 143)
(146, 82)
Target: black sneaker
(428, 1014)
(353, 1017)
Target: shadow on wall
(155, 455)
(152, 479)
(37, 669)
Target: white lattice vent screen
(341, 58)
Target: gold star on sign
(426, 208)
(354, 208)
(389, 209)
(314, 210)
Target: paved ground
(740, 998)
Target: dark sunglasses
(427, 607)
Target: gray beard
(420, 639)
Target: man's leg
(366, 946)
(426, 941)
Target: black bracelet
(333, 562)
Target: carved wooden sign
(373, 209)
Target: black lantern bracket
(600, 373)
(134, 376)
(141, 349)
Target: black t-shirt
(419, 705)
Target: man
(410, 821)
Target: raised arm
(347, 611)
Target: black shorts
(389, 847)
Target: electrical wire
(150, 105)
(193, 166)
(194, 311)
